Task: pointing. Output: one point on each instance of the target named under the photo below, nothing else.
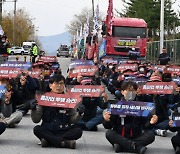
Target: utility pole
(14, 24)
(93, 7)
(162, 26)
(0, 12)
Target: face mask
(130, 96)
(3, 40)
(110, 66)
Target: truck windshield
(129, 32)
(64, 49)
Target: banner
(176, 119)
(132, 108)
(159, 68)
(66, 100)
(110, 61)
(123, 67)
(102, 50)
(48, 59)
(86, 91)
(173, 69)
(83, 71)
(80, 62)
(18, 64)
(35, 73)
(9, 72)
(158, 88)
(2, 90)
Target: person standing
(164, 57)
(34, 52)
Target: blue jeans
(2, 127)
(94, 121)
(162, 125)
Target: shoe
(177, 150)
(161, 132)
(12, 125)
(118, 148)
(141, 149)
(44, 143)
(68, 144)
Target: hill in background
(51, 43)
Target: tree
(79, 20)
(149, 10)
(25, 29)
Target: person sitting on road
(58, 127)
(161, 108)
(126, 132)
(7, 116)
(175, 140)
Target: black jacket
(90, 105)
(127, 126)
(164, 58)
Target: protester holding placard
(161, 94)
(126, 132)
(25, 92)
(58, 124)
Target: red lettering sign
(158, 88)
(86, 91)
(9, 72)
(66, 100)
(83, 71)
(173, 69)
(48, 59)
(35, 73)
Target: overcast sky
(52, 16)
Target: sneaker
(141, 149)
(13, 125)
(44, 143)
(68, 144)
(161, 132)
(118, 148)
(177, 150)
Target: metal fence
(173, 49)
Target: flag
(96, 20)
(109, 17)
(86, 26)
(102, 49)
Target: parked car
(63, 51)
(18, 50)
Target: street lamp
(162, 26)
(93, 7)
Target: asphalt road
(21, 140)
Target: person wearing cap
(164, 57)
